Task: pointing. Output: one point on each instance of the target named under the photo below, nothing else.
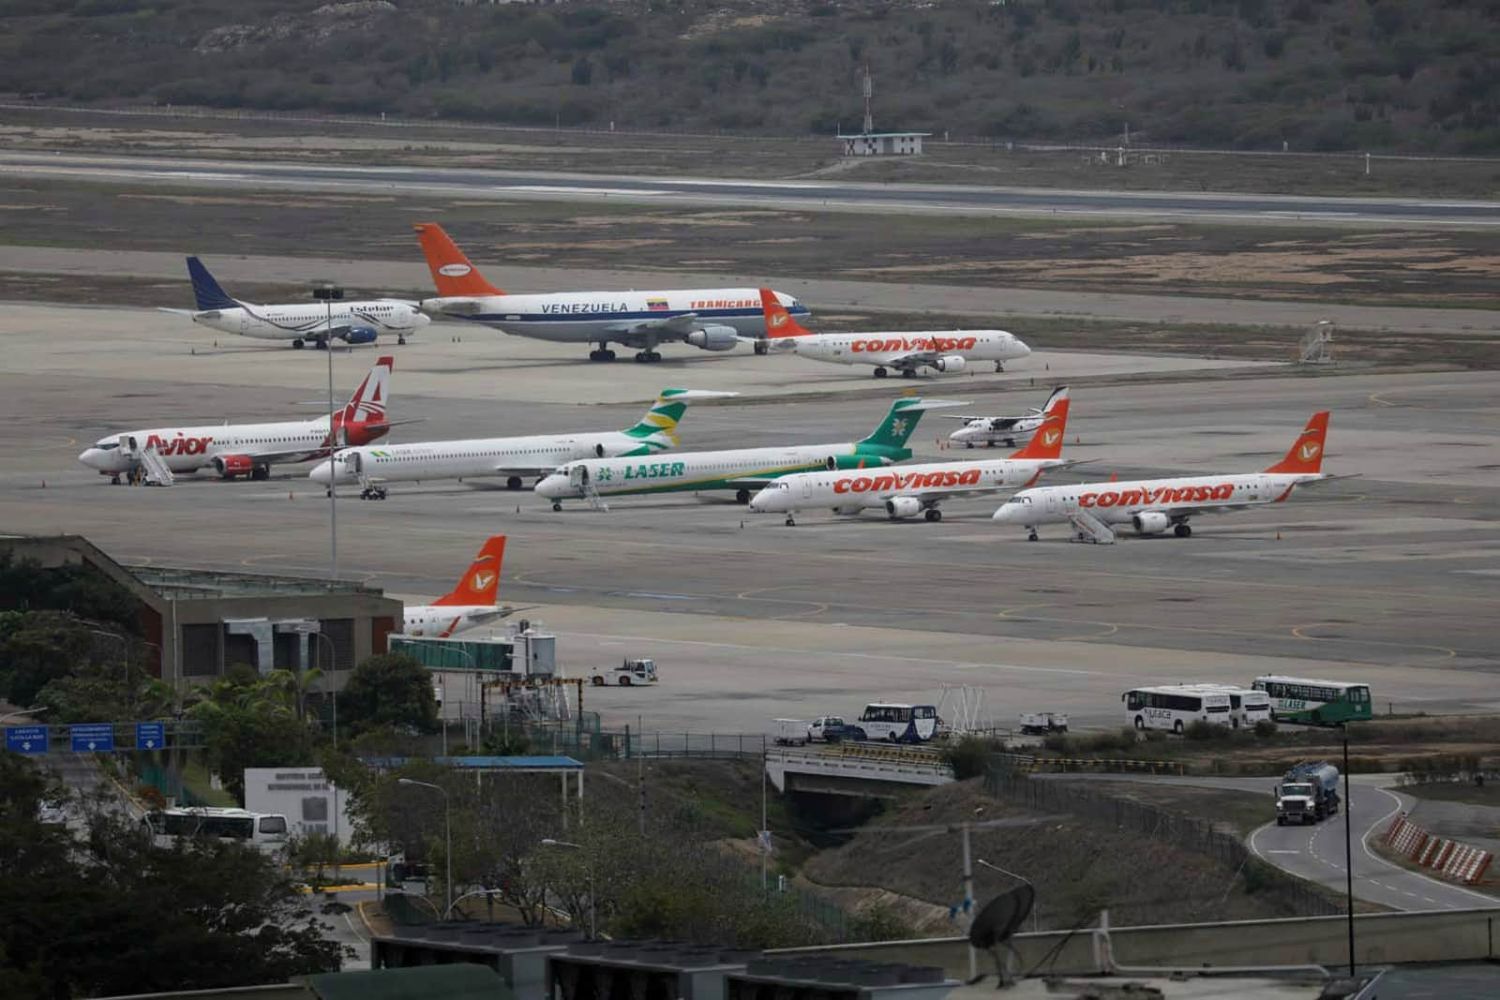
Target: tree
(249, 721)
(388, 690)
(27, 585)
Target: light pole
(447, 833)
(588, 873)
(1348, 851)
(329, 293)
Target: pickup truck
(823, 729)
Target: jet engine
(903, 507)
(1151, 522)
(230, 466)
(361, 335)
(714, 338)
(950, 363)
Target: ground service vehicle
(1042, 723)
(1308, 793)
(266, 831)
(1175, 707)
(826, 729)
(895, 723)
(1320, 703)
(628, 673)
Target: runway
(1386, 578)
(826, 195)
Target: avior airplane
(249, 449)
(908, 490)
(352, 322)
(713, 319)
(945, 351)
(1151, 506)
(510, 458)
(470, 603)
(738, 469)
(990, 431)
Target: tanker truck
(1308, 793)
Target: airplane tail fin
(1047, 440)
(367, 405)
(206, 290)
(452, 273)
(480, 584)
(660, 422)
(901, 419)
(1306, 454)
(779, 322)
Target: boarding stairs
(156, 471)
(1091, 529)
(591, 495)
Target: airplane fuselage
(310, 321)
(848, 491)
(480, 457)
(188, 449)
(886, 349)
(443, 620)
(1123, 502)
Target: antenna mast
(869, 89)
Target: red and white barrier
(1449, 858)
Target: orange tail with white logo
(452, 273)
(481, 581)
(1047, 440)
(367, 405)
(779, 322)
(1306, 455)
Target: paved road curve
(836, 195)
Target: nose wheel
(1032, 537)
(880, 372)
(401, 339)
(556, 506)
(648, 357)
(372, 493)
(791, 522)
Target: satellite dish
(1002, 917)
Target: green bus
(1315, 702)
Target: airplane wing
(177, 312)
(525, 470)
(453, 307)
(480, 617)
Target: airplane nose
(322, 472)
(91, 457)
(760, 503)
(551, 487)
(1005, 514)
(1021, 349)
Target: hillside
(1316, 74)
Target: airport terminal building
(197, 623)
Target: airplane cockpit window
(107, 445)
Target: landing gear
(401, 339)
(742, 496)
(513, 483)
(556, 506)
(880, 372)
(1183, 531)
(761, 347)
(602, 354)
(968, 444)
(260, 472)
(372, 493)
(933, 514)
(297, 344)
(1031, 536)
(647, 357)
(114, 480)
(999, 366)
(791, 522)
(321, 344)
(908, 373)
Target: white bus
(896, 723)
(1176, 706)
(267, 831)
(1246, 706)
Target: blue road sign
(150, 735)
(26, 739)
(92, 737)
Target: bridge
(855, 769)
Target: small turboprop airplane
(508, 458)
(908, 490)
(711, 319)
(299, 322)
(250, 450)
(472, 602)
(738, 469)
(1151, 506)
(908, 353)
(990, 431)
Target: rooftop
(180, 583)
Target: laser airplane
(908, 353)
(249, 450)
(990, 431)
(510, 458)
(908, 490)
(1152, 506)
(712, 319)
(738, 469)
(299, 322)
(470, 603)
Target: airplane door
(127, 444)
(807, 487)
(579, 475)
(356, 462)
(244, 322)
(1054, 504)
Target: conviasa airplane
(909, 490)
(713, 319)
(510, 458)
(352, 322)
(1151, 506)
(250, 449)
(946, 351)
(472, 602)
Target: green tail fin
(898, 424)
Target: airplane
(352, 322)
(946, 351)
(249, 450)
(991, 430)
(1151, 506)
(471, 602)
(908, 490)
(713, 319)
(738, 469)
(510, 457)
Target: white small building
(884, 143)
(304, 795)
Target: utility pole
(1348, 851)
(765, 846)
(969, 899)
(329, 292)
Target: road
(827, 195)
